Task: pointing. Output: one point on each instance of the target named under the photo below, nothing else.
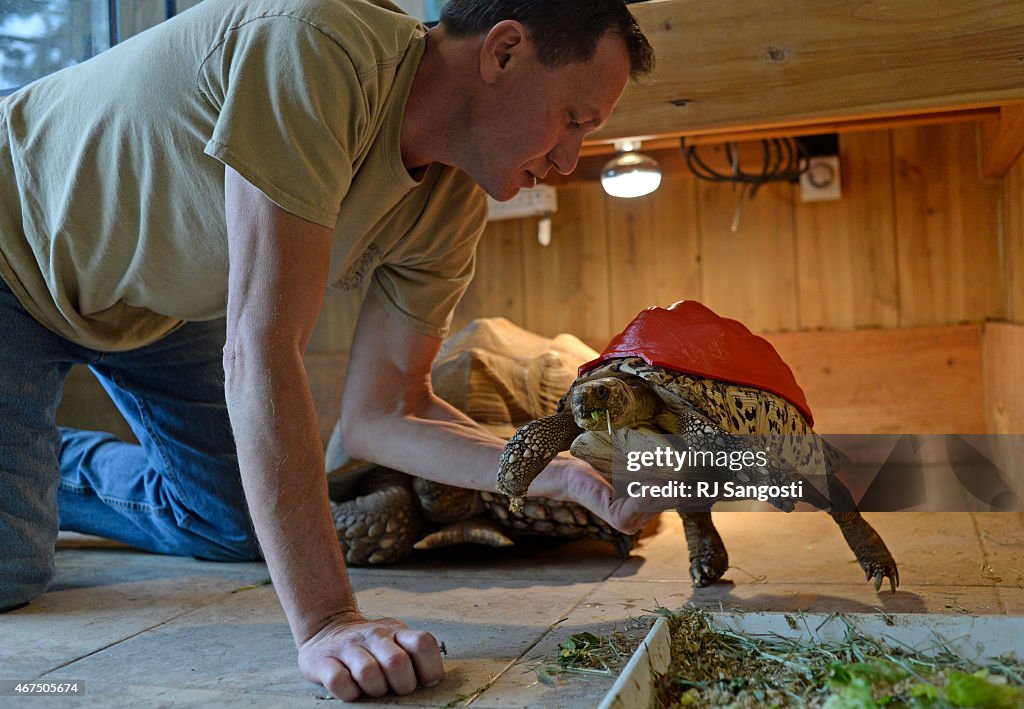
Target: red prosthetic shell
(689, 337)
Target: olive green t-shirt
(112, 225)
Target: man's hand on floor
(354, 655)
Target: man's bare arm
(391, 416)
(277, 280)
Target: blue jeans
(176, 492)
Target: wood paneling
(653, 254)
(1003, 350)
(947, 226)
(918, 380)
(86, 405)
(326, 372)
(337, 321)
(917, 239)
(498, 288)
(846, 249)
(1002, 140)
(567, 282)
(921, 380)
(914, 239)
(765, 63)
(915, 380)
(750, 274)
(1013, 242)
(1004, 378)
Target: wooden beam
(791, 130)
(669, 156)
(772, 63)
(1002, 141)
(844, 125)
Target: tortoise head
(611, 402)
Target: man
(241, 159)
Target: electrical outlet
(821, 181)
(535, 202)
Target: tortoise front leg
(530, 450)
(864, 541)
(868, 547)
(708, 557)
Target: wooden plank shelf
(766, 68)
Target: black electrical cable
(783, 161)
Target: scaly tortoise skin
(382, 515)
(394, 514)
(626, 404)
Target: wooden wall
(877, 300)
(1004, 397)
(1013, 241)
(1004, 384)
(898, 380)
(914, 241)
(866, 297)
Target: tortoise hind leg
(381, 525)
(708, 558)
(864, 541)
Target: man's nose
(566, 155)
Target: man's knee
(23, 580)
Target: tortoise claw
(699, 575)
(879, 572)
(708, 557)
(869, 549)
(707, 570)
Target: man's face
(533, 119)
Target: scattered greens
(722, 668)
(715, 667)
(589, 654)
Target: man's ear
(503, 45)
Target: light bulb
(630, 175)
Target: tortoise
(686, 379)
(501, 376)
(393, 514)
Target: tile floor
(139, 629)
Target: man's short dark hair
(563, 31)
